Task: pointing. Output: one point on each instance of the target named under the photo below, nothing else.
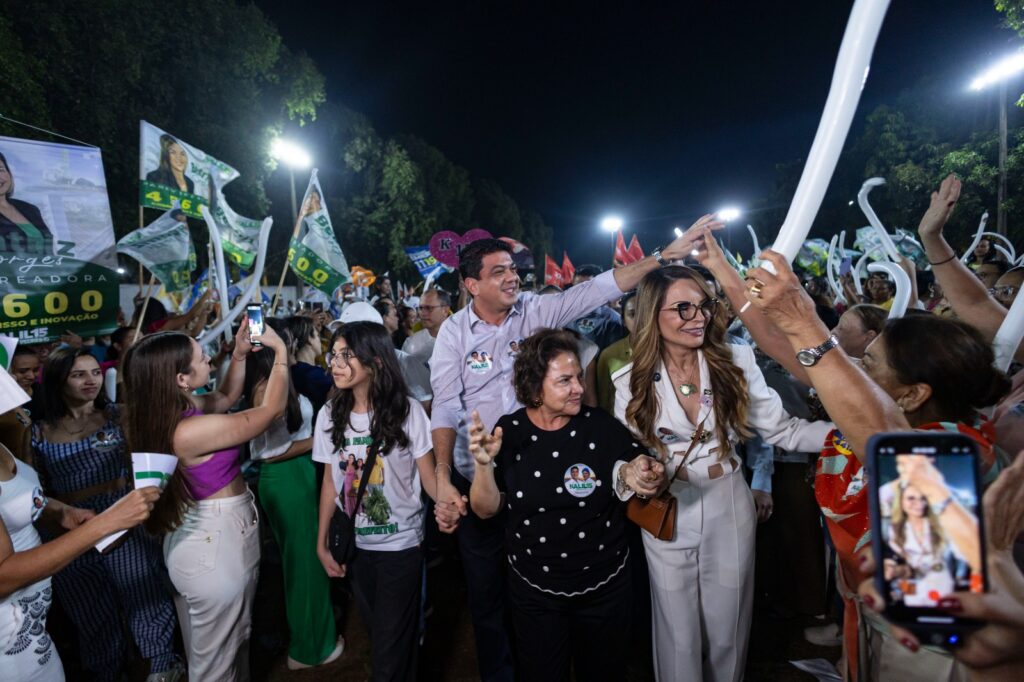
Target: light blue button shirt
(471, 366)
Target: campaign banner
(314, 254)
(239, 236)
(428, 266)
(165, 248)
(58, 265)
(171, 170)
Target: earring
(899, 404)
(538, 402)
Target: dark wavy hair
(257, 370)
(55, 376)
(301, 328)
(389, 394)
(471, 259)
(531, 366)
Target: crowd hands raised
(530, 428)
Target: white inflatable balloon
(757, 244)
(903, 289)
(1010, 333)
(832, 268)
(1009, 253)
(977, 238)
(221, 268)
(848, 79)
(860, 270)
(261, 259)
(883, 236)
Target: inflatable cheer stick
(848, 80)
(883, 236)
(902, 280)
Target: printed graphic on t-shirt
(374, 514)
(480, 362)
(580, 480)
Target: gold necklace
(688, 388)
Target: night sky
(656, 113)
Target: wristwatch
(809, 357)
(937, 509)
(658, 257)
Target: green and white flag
(314, 254)
(7, 346)
(165, 248)
(239, 236)
(171, 170)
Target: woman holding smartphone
(208, 516)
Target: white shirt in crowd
(390, 517)
(420, 345)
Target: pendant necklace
(689, 388)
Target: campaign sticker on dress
(580, 480)
(667, 435)
(480, 362)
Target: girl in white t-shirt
(371, 404)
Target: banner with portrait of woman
(58, 266)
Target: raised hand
(482, 446)
(644, 475)
(942, 205)
(693, 238)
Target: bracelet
(241, 359)
(283, 364)
(943, 262)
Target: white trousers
(702, 582)
(213, 559)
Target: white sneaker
(824, 635)
(339, 649)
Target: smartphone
(254, 311)
(845, 266)
(927, 530)
(318, 305)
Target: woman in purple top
(207, 513)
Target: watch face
(807, 358)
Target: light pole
(293, 156)
(1001, 72)
(727, 215)
(612, 224)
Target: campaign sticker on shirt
(514, 346)
(667, 435)
(480, 362)
(580, 480)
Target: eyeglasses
(1003, 292)
(428, 308)
(687, 311)
(345, 357)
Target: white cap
(360, 311)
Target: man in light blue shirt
(471, 369)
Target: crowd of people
(541, 430)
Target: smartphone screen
(254, 311)
(845, 266)
(318, 305)
(927, 529)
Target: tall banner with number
(58, 268)
(315, 255)
(165, 248)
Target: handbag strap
(371, 461)
(697, 435)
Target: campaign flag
(621, 255)
(165, 248)
(521, 255)
(552, 273)
(634, 250)
(568, 271)
(58, 266)
(428, 266)
(171, 170)
(239, 236)
(7, 346)
(238, 288)
(315, 255)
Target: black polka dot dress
(565, 532)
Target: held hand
(920, 472)
(710, 254)
(270, 339)
(781, 297)
(763, 504)
(331, 567)
(941, 207)
(693, 238)
(483, 447)
(871, 599)
(644, 475)
(130, 510)
(242, 344)
(449, 512)
(73, 517)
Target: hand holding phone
(254, 312)
(845, 266)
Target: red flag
(568, 271)
(621, 256)
(634, 250)
(552, 273)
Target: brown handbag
(657, 515)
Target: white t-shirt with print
(390, 517)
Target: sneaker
(824, 635)
(173, 675)
(339, 649)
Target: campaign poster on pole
(58, 265)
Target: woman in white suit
(685, 379)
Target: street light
(611, 223)
(293, 156)
(728, 214)
(1000, 72)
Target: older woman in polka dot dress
(557, 470)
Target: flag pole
(141, 277)
(145, 303)
(284, 270)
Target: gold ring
(755, 289)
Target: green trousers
(288, 494)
